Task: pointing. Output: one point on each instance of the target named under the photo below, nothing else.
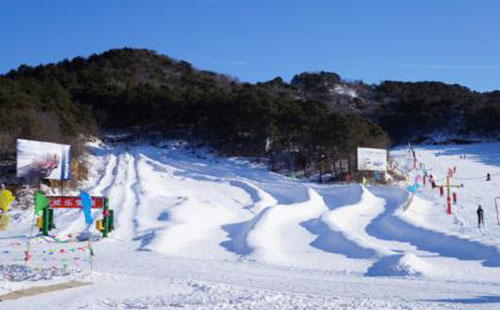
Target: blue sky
(454, 41)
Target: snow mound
(278, 226)
(346, 228)
(400, 265)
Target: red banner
(74, 202)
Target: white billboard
(372, 159)
(43, 160)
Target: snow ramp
(275, 234)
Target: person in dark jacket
(488, 176)
(480, 217)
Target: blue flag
(87, 207)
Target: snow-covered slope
(198, 231)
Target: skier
(454, 198)
(488, 176)
(441, 191)
(480, 217)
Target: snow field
(228, 234)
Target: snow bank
(346, 225)
(276, 228)
(400, 265)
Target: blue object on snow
(413, 188)
(87, 206)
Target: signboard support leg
(46, 222)
(111, 220)
(106, 220)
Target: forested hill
(318, 116)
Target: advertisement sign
(372, 159)
(43, 160)
(74, 202)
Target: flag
(87, 206)
(41, 202)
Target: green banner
(41, 202)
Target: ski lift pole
(448, 193)
(448, 196)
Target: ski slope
(199, 231)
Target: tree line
(291, 124)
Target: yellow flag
(6, 198)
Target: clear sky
(455, 41)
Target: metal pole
(496, 207)
(448, 194)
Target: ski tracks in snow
(389, 226)
(123, 197)
(186, 214)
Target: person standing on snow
(480, 217)
(488, 176)
(432, 181)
